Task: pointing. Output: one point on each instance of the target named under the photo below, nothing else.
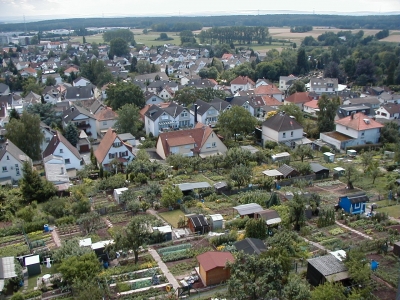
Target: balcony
(83, 125)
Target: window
(214, 144)
(117, 144)
(8, 158)
(61, 151)
(362, 133)
(104, 122)
(291, 133)
(154, 99)
(184, 114)
(4, 169)
(284, 135)
(208, 145)
(47, 139)
(67, 161)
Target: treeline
(124, 34)
(279, 20)
(382, 34)
(234, 34)
(298, 29)
(172, 27)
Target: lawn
(172, 217)
(150, 39)
(32, 281)
(393, 211)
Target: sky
(54, 9)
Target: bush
(270, 144)
(224, 238)
(32, 294)
(65, 220)
(239, 223)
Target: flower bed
(14, 249)
(134, 275)
(6, 240)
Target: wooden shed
(250, 246)
(198, 224)
(32, 264)
(326, 268)
(212, 267)
(248, 209)
(319, 170)
(396, 249)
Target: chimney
(72, 108)
(352, 115)
(195, 114)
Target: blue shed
(354, 203)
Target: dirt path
(171, 279)
(56, 238)
(353, 230)
(319, 246)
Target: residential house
(56, 172)
(353, 203)
(105, 119)
(59, 146)
(22, 65)
(48, 134)
(311, 107)
(323, 85)
(262, 81)
(286, 81)
(346, 110)
(208, 112)
(371, 101)
(298, 98)
(173, 117)
(202, 83)
(152, 98)
(25, 73)
(388, 111)
(282, 128)
(81, 81)
(212, 267)
(253, 104)
(12, 160)
(356, 129)
(4, 89)
(51, 94)
(156, 87)
(242, 83)
(250, 246)
(97, 106)
(112, 148)
(326, 268)
(269, 90)
(75, 93)
(70, 70)
(55, 76)
(82, 118)
(200, 140)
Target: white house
(105, 119)
(112, 147)
(311, 107)
(323, 85)
(356, 129)
(282, 128)
(56, 172)
(82, 118)
(81, 81)
(242, 83)
(286, 81)
(11, 162)
(59, 146)
(174, 116)
(208, 113)
(152, 99)
(4, 89)
(48, 133)
(388, 111)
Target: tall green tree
(302, 62)
(25, 133)
(241, 175)
(236, 120)
(128, 119)
(351, 175)
(256, 228)
(296, 289)
(390, 133)
(170, 195)
(118, 47)
(329, 291)
(292, 109)
(96, 72)
(71, 133)
(46, 112)
(31, 84)
(303, 151)
(237, 156)
(297, 207)
(297, 86)
(123, 93)
(253, 277)
(327, 112)
(125, 34)
(80, 268)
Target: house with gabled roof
(172, 117)
(356, 129)
(208, 112)
(51, 94)
(105, 119)
(253, 104)
(81, 81)
(152, 98)
(311, 107)
(282, 128)
(269, 90)
(212, 267)
(11, 161)
(388, 111)
(201, 141)
(298, 99)
(288, 171)
(323, 85)
(4, 89)
(75, 93)
(242, 83)
(326, 268)
(112, 147)
(59, 146)
(82, 118)
(286, 81)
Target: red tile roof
(242, 80)
(106, 114)
(299, 97)
(358, 122)
(106, 144)
(267, 90)
(212, 259)
(271, 101)
(312, 104)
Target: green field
(172, 217)
(393, 211)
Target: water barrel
(46, 227)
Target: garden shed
(396, 249)
(281, 156)
(288, 171)
(248, 209)
(118, 192)
(250, 246)
(220, 187)
(353, 203)
(7, 269)
(189, 187)
(339, 171)
(329, 157)
(270, 216)
(198, 223)
(32, 263)
(216, 221)
(99, 247)
(325, 268)
(351, 153)
(212, 269)
(319, 170)
(166, 231)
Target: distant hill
(270, 20)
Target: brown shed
(212, 267)
(396, 249)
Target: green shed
(32, 263)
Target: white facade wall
(118, 151)
(70, 160)
(272, 135)
(10, 167)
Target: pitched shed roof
(282, 122)
(193, 185)
(316, 167)
(247, 209)
(286, 170)
(357, 198)
(198, 220)
(327, 265)
(250, 246)
(212, 259)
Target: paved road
(171, 279)
(353, 230)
